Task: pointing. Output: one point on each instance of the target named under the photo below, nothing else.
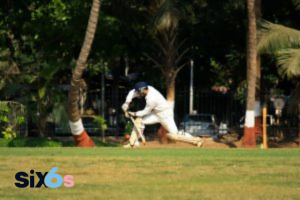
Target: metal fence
(224, 106)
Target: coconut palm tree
(80, 136)
(249, 130)
(166, 17)
(258, 113)
(284, 43)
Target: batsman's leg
(134, 137)
(181, 138)
(167, 120)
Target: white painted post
(191, 87)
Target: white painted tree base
(250, 119)
(76, 127)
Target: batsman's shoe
(200, 142)
(135, 145)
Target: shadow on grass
(228, 143)
(224, 140)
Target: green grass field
(169, 174)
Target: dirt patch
(207, 143)
(227, 141)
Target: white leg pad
(134, 137)
(181, 138)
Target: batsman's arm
(147, 110)
(130, 96)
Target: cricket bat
(138, 130)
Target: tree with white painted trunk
(258, 111)
(80, 136)
(249, 128)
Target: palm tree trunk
(162, 132)
(168, 41)
(258, 126)
(171, 90)
(249, 130)
(80, 136)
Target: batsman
(157, 110)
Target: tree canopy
(41, 40)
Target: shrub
(44, 142)
(11, 117)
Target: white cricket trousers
(165, 118)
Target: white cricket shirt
(155, 101)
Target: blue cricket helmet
(140, 85)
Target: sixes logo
(44, 179)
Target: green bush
(4, 142)
(10, 118)
(128, 128)
(34, 142)
(44, 142)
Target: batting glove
(127, 115)
(132, 114)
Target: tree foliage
(41, 40)
(284, 43)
